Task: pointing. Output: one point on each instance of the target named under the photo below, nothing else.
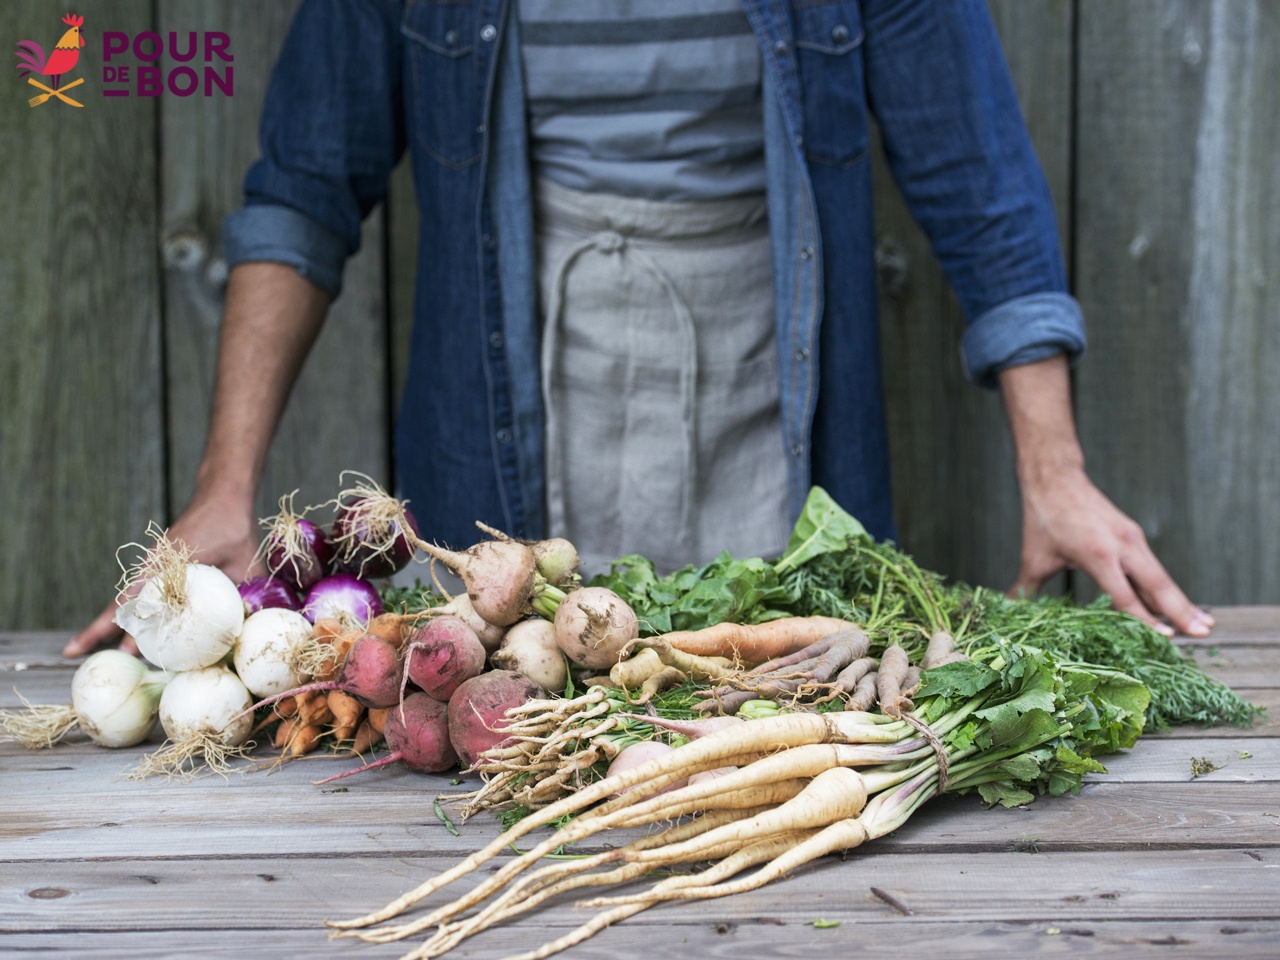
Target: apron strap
(611, 242)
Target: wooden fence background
(1152, 120)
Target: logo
(60, 62)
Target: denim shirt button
(488, 241)
(503, 435)
(480, 129)
(840, 33)
(496, 340)
(451, 38)
(806, 253)
(488, 32)
(780, 48)
(802, 354)
(797, 450)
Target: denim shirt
(359, 80)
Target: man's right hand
(219, 534)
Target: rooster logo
(63, 59)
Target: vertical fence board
(1178, 198)
(336, 418)
(955, 493)
(81, 445)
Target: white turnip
(266, 652)
(186, 615)
(595, 627)
(530, 648)
(490, 635)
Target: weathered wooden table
(1144, 859)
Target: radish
(595, 627)
(418, 734)
(187, 615)
(261, 593)
(478, 709)
(296, 549)
(529, 648)
(499, 574)
(441, 655)
(373, 534)
(266, 652)
(371, 673)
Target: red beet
(477, 710)
(441, 654)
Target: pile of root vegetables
(754, 714)
(309, 658)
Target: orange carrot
(755, 644)
(304, 740)
(284, 733)
(345, 708)
(378, 717)
(365, 737)
(388, 626)
(314, 709)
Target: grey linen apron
(660, 377)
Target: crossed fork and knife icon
(60, 93)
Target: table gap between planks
(1145, 859)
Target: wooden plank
(1239, 667)
(1245, 625)
(956, 497)
(709, 937)
(58, 806)
(337, 416)
(142, 894)
(1178, 192)
(80, 373)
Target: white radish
(529, 648)
(268, 648)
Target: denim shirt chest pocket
(443, 79)
(828, 41)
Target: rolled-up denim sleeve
(1022, 330)
(283, 235)
(955, 140)
(331, 131)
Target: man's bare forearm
(271, 318)
(1037, 399)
